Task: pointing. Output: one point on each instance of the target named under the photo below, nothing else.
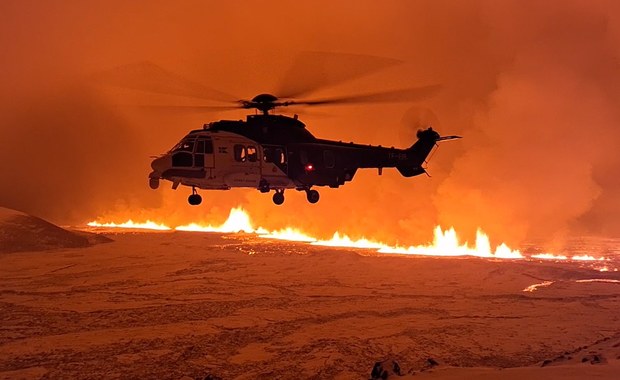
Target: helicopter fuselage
(274, 152)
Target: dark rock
(594, 359)
(432, 362)
(377, 369)
(212, 377)
(386, 369)
(546, 362)
(396, 368)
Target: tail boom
(418, 153)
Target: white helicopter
(270, 152)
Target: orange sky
(533, 86)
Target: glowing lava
(238, 221)
(533, 287)
(445, 242)
(346, 242)
(550, 256)
(288, 234)
(148, 225)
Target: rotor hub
(264, 98)
(263, 103)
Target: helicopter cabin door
(203, 154)
(274, 166)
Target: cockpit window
(186, 145)
(202, 145)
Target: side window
(252, 153)
(240, 153)
(200, 146)
(279, 156)
(275, 155)
(328, 158)
(208, 147)
(267, 155)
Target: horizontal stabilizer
(445, 138)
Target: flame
(445, 242)
(238, 221)
(289, 234)
(587, 258)
(549, 256)
(346, 242)
(148, 225)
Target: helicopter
(272, 152)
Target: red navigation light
(309, 167)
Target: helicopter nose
(160, 164)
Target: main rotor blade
(147, 76)
(186, 108)
(394, 96)
(314, 70)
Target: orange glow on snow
(445, 243)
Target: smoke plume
(532, 86)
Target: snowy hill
(22, 232)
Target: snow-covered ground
(185, 305)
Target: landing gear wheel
(278, 197)
(194, 199)
(313, 196)
(263, 186)
(153, 183)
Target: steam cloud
(533, 86)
